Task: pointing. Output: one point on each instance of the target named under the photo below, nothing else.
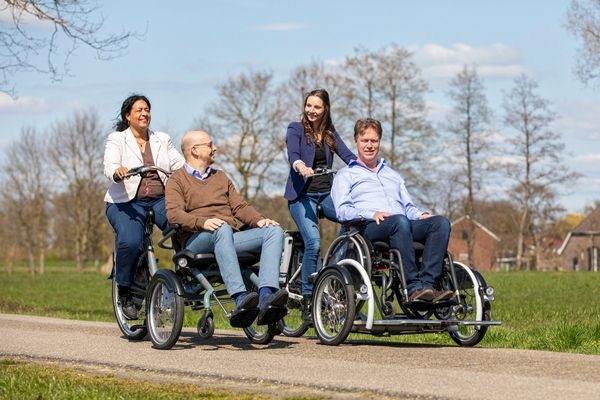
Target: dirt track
(289, 366)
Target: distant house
(580, 251)
(484, 253)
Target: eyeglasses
(209, 144)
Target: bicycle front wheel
(165, 310)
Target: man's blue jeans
(225, 243)
(304, 214)
(400, 232)
(128, 220)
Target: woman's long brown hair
(325, 128)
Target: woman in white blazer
(133, 144)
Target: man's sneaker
(245, 311)
(128, 307)
(441, 295)
(421, 295)
(272, 307)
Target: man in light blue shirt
(368, 189)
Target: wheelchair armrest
(384, 246)
(354, 225)
(418, 246)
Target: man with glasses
(370, 190)
(211, 213)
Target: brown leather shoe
(421, 295)
(440, 295)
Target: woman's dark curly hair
(122, 122)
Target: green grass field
(556, 311)
(541, 311)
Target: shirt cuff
(295, 165)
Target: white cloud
(280, 27)
(588, 158)
(494, 60)
(578, 118)
(20, 104)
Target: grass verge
(20, 380)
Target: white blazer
(123, 151)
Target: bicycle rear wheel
(133, 329)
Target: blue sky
(191, 45)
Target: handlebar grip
(144, 169)
(167, 234)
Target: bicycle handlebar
(144, 170)
(323, 171)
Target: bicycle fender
(170, 276)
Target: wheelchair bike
(194, 282)
(363, 280)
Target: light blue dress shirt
(197, 174)
(358, 192)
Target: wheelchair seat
(207, 259)
(384, 246)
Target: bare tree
(468, 122)
(76, 156)
(401, 90)
(66, 25)
(360, 77)
(302, 80)
(25, 193)
(538, 170)
(583, 21)
(248, 124)
(386, 85)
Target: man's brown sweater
(190, 202)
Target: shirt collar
(197, 174)
(380, 164)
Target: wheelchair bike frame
(195, 282)
(353, 266)
(290, 276)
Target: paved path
(358, 369)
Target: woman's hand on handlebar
(124, 173)
(305, 171)
(120, 174)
